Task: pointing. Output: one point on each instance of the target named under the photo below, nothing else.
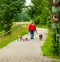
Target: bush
(47, 47)
(4, 41)
(50, 47)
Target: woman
(31, 29)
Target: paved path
(25, 51)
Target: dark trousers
(32, 33)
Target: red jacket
(32, 27)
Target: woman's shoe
(32, 38)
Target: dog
(40, 37)
(25, 39)
(21, 38)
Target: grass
(42, 26)
(47, 48)
(12, 37)
(47, 45)
(1, 32)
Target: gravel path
(25, 51)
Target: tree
(40, 10)
(8, 11)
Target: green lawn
(42, 26)
(13, 36)
(1, 32)
(47, 48)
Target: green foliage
(23, 16)
(56, 41)
(12, 36)
(8, 11)
(42, 26)
(50, 47)
(47, 47)
(40, 11)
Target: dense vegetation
(23, 16)
(50, 47)
(8, 11)
(7, 39)
(40, 12)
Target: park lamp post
(56, 19)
